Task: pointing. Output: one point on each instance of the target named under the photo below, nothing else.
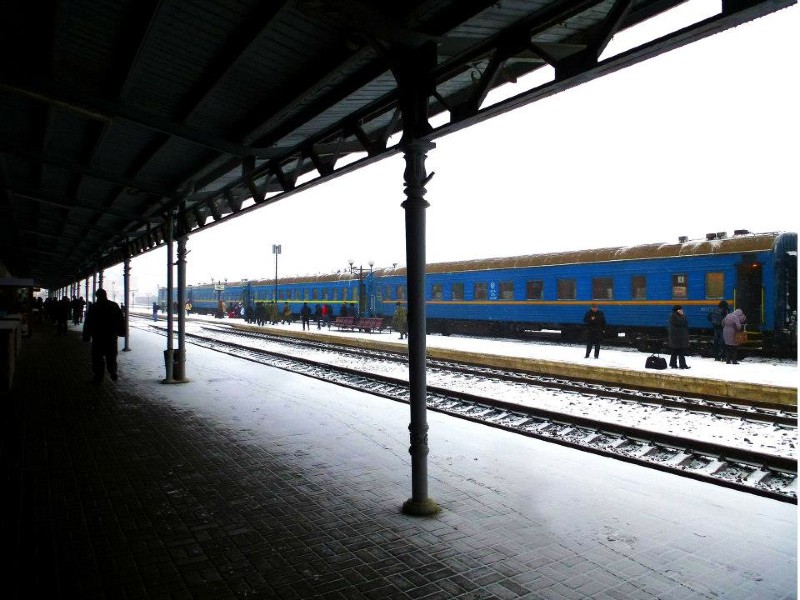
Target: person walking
(103, 324)
(305, 316)
(678, 335)
(731, 325)
(155, 311)
(595, 328)
(716, 316)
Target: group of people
(727, 324)
(61, 311)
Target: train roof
(736, 244)
(741, 243)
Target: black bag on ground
(655, 362)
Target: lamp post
(219, 287)
(276, 249)
(361, 287)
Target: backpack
(715, 316)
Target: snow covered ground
(779, 372)
(763, 437)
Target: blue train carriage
(636, 287)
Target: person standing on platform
(305, 316)
(716, 316)
(63, 309)
(155, 311)
(678, 335)
(595, 327)
(326, 316)
(103, 324)
(400, 320)
(731, 325)
(287, 314)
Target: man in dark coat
(678, 335)
(716, 317)
(595, 327)
(103, 324)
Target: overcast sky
(701, 139)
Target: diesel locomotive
(635, 286)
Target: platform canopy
(115, 112)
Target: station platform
(250, 482)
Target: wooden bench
(367, 324)
(344, 322)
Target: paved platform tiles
(253, 483)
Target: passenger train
(635, 286)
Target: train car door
(749, 291)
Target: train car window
(567, 290)
(401, 292)
(534, 290)
(602, 288)
(639, 287)
(315, 294)
(355, 295)
(437, 292)
(506, 290)
(324, 293)
(387, 292)
(480, 291)
(344, 294)
(680, 286)
(457, 291)
(715, 285)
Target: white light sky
(701, 139)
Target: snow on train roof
(750, 242)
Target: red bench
(344, 322)
(369, 323)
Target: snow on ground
(762, 437)
(779, 372)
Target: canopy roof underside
(114, 113)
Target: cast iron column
(126, 284)
(179, 373)
(169, 353)
(415, 152)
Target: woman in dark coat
(678, 335)
(731, 325)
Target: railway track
(750, 471)
(777, 415)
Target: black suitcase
(655, 362)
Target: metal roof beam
(112, 111)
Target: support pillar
(100, 279)
(94, 288)
(86, 293)
(169, 353)
(126, 284)
(179, 370)
(415, 152)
